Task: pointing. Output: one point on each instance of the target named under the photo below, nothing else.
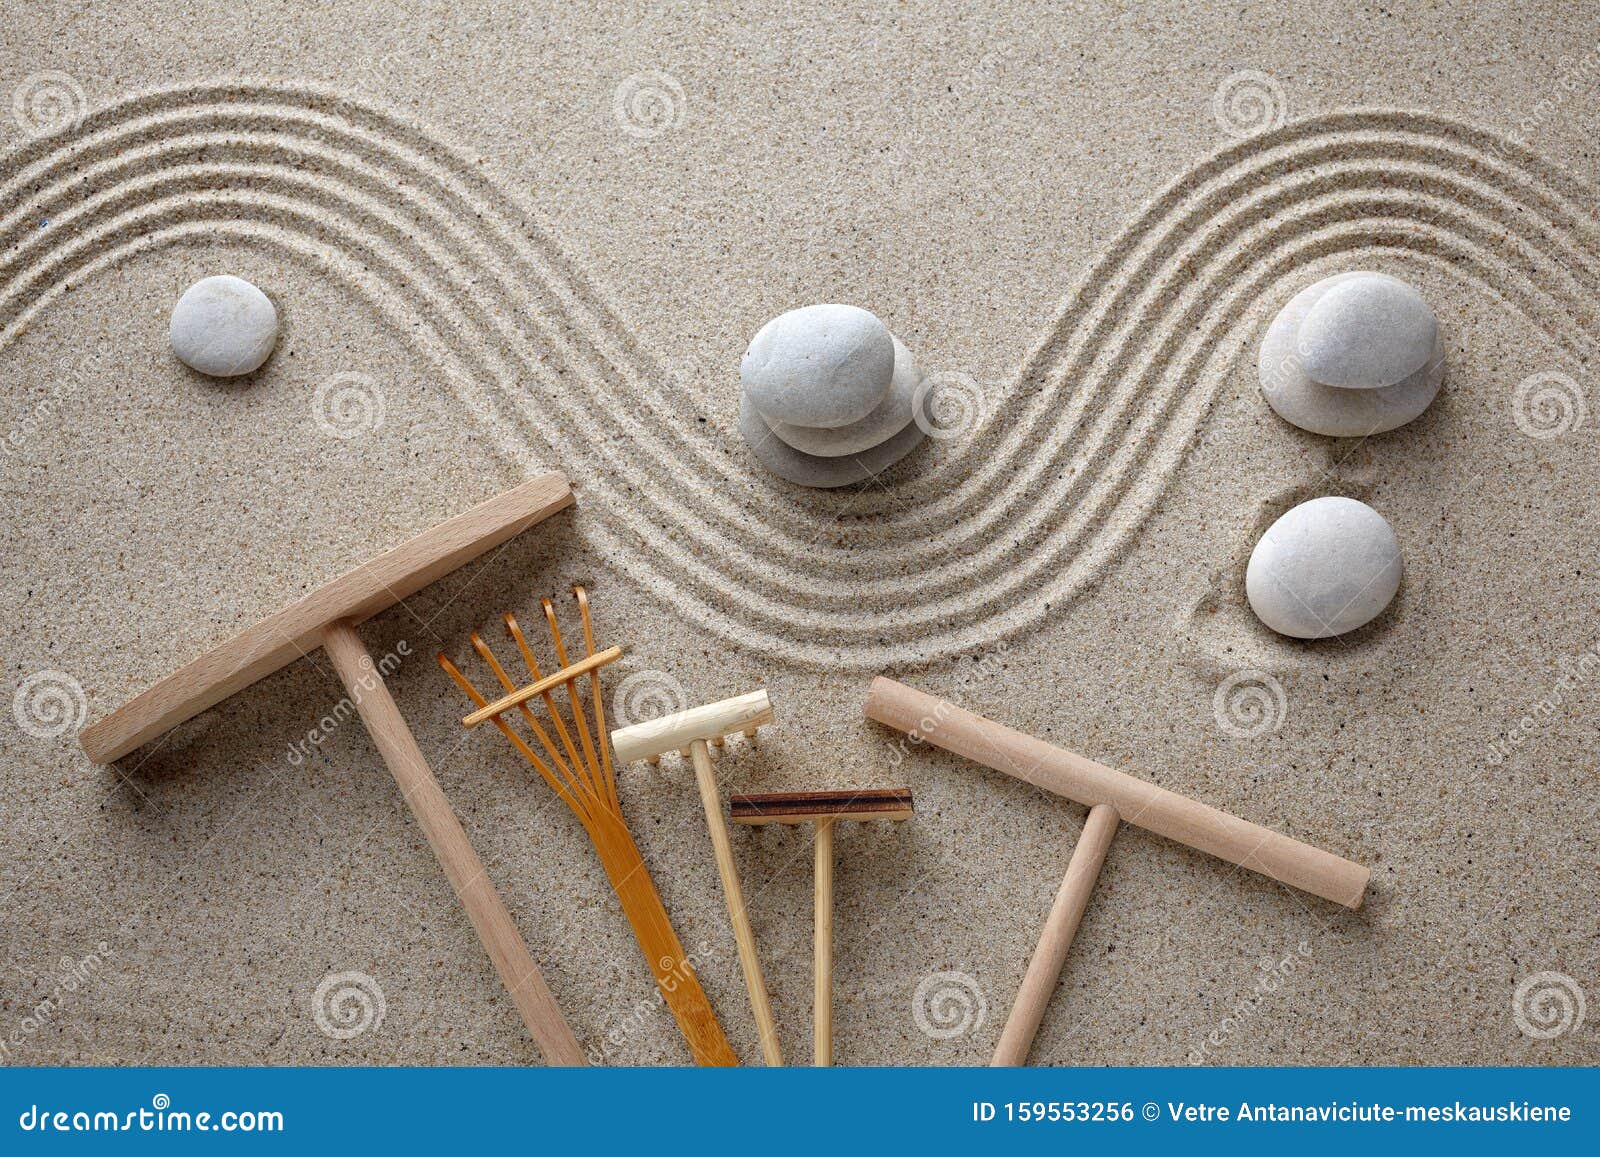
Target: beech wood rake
(576, 763)
(1113, 797)
(327, 618)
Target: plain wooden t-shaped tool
(692, 733)
(823, 808)
(1111, 796)
(327, 618)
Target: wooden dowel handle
(461, 864)
(1044, 969)
(674, 971)
(940, 722)
(822, 948)
(706, 777)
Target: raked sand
(505, 242)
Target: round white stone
(820, 366)
(1326, 567)
(1367, 331)
(892, 415)
(811, 470)
(223, 326)
(1339, 413)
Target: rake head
(575, 761)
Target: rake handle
(461, 864)
(706, 777)
(674, 972)
(822, 950)
(1044, 969)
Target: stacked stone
(1353, 355)
(829, 396)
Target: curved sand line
(1066, 527)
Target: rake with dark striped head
(576, 764)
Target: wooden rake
(1113, 797)
(328, 618)
(579, 770)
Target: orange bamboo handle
(461, 864)
(1044, 969)
(674, 972)
(942, 723)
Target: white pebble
(1326, 567)
(224, 327)
(1367, 331)
(821, 365)
(893, 414)
(1338, 413)
(810, 469)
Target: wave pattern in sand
(1094, 425)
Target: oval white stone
(892, 415)
(820, 365)
(1367, 331)
(1326, 567)
(1338, 413)
(809, 469)
(223, 326)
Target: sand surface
(534, 240)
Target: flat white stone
(1367, 331)
(819, 366)
(809, 469)
(1326, 567)
(223, 326)
(1338, 413)
(893, 414)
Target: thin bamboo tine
(575, 778)
(505, 729)
(595, 695)
(578, 716)
(549, 700)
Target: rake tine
(595, 696)
(505, 729)
(515, 631)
